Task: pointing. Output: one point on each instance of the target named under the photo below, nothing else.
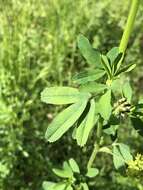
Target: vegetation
(38, 49)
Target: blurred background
(38, 49)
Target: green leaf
(91, 55)
(93, 87)
(62, 95)
(92, 172)
(117, 61)
(63, 173)
(67, 168)
(86, 125)
(113, 53)
(125, 151)
(69, 188)
(88, 76)
(111, 130)
(116, 86)
(85, 186)
(117, 158)
(114, 56)
(127, 91)
(137, 124)
(47, 185)
(64, 120)
(60, 186)
(74, 165)
(126, 69)
(105, 107)
(106, 65)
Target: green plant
(98, 107)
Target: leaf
(93, 87)
(62, 95)
(113, 53)
(106, 65)
(67, 168)
(88, 76)
(125, 151)
(92, 172)
(60, 186)
(69, 188)
(63, 173)
(86, 125)
(126, 69)
(105, 107)
(74, 165)
(137, 124)
(117, 158)
(91, 55)
(64, 120)
(47, 185)
(111, 130)
(127, 91)
(85, 186)
(116, 86)
(114, 56)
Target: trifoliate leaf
(74, 165)
(64, 120)
(86, 125)
(91, 55)
(62, 95)
(92, 172)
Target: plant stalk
(129, 25)
(96, 145)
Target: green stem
(96, 145)
(129, 25)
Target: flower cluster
(135, 167)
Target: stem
(129, 25)
(96, 145)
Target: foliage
(38, 49)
